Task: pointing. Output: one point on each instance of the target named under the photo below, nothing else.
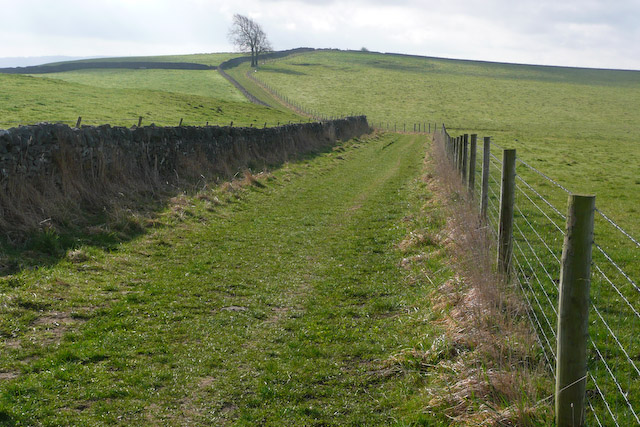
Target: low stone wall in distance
(45, 167)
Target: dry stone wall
(50, 173)
(29, 151)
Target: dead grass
(486, 366)
(79, 192)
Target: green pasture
(188, 82)
(212, 59)
(28, 100)
(579, 126)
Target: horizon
(29, 61)
(571, 33)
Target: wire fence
(295, 104)
(613, 379)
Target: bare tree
(248, 36)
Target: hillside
(120, 97)
(568, 122)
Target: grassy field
(188, 82)
(28, 100)
(282, 302)
(213, 59)
(579, 126)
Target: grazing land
(580, 126)
(211, 59)
(147, 93)
(194, 82)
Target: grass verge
(486, 367)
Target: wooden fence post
(573, 312)
(472, 163)
(455, 152)
(139, 121)
(460, 153)
(507, 200)
(78, 122)
(180, 123)
(484, 195)
(429, 127)
(465, 156)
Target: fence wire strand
(617, 227)
(625, 275)
(544, 242)
(606, 403)
(616, 289)
(533, 271)
(546, 318)
(540, 209)
(595, 308)
(536, 266)
(615, 380)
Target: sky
(582, 33)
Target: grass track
(276, 307)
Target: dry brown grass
(485, 367)
(114, 185)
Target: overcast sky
(586, 33)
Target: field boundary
(134, 65)
(47, 170)
(528, 229)
(234, 62)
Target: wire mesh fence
(613, 379)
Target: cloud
(593, 33)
